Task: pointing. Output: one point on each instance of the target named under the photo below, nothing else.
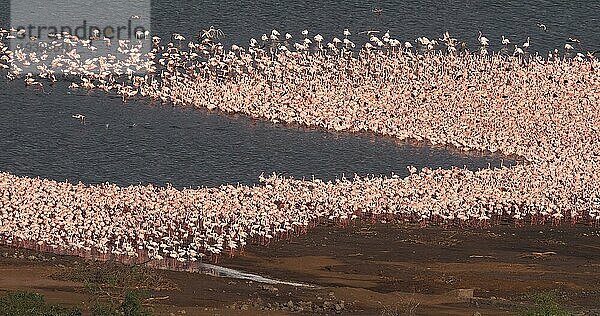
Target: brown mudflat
(381, 269)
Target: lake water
(139, 142)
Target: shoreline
(455, 271)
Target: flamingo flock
(541, 108)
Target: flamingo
(568, 47)
(526, 44)
(483, 40)
(542, 26)
(80, 117)
(332, 89)
(518, 51)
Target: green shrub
(132, 305)
(546, 304)
(31, 304)
(114, 275)
(100, 309)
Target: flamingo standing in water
(484, 41)
(526, 44)
(80, 117)
(336, 94)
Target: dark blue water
(140, 142)
(406, 20)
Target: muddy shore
(367, 269)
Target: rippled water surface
(141, 142)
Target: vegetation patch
(546, 304)
(114, 275)
(116, 289)
(131, 305)
(32, 304)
